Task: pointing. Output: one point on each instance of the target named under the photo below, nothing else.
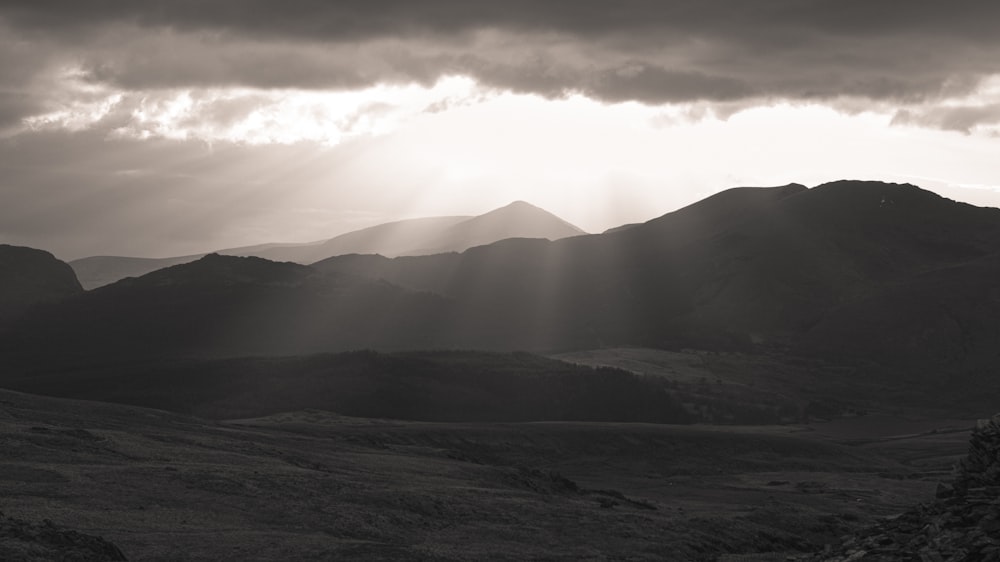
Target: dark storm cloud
(360, 19)
(704, 49)
(654, 51)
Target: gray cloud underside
(761, 21)
(951, 118)
(650, 51)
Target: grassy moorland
(312, 485)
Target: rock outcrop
(961, 525)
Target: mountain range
(420, 236)
(842, 269)
(885, 278)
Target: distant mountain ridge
(388, 239)
(420, 236)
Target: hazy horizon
(206, 250)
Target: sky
(172, 127)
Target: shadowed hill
(215, 269)
(428, 386)
(775, 266)
(29, 276)
(719, 212)
(224, 305)
(933, 322)
(97, 271)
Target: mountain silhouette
(29, 276)
(225, 306)
(850, 271)
(420, 236)
(746, 267)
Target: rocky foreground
(28, 542)
(962, 525)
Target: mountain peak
(720, 210)
(522, 210)
(792, 188)
(520, 204)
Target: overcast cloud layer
(654, 51)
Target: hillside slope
(97, 271)
(224, 305)
(744, 268)
(29, 276)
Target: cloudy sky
(167, 127)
